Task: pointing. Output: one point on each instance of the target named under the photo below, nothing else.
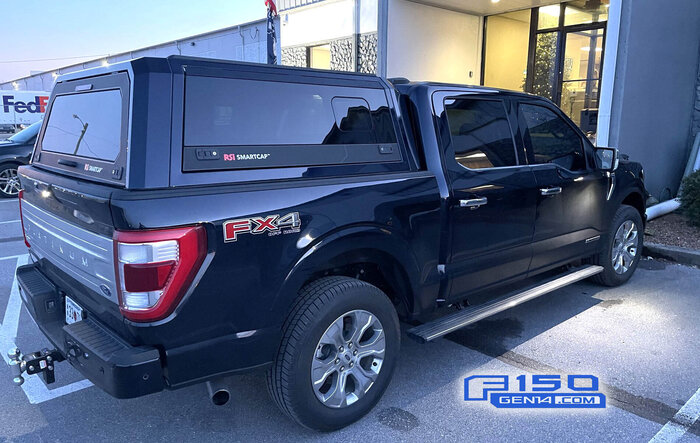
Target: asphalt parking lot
(642, 340)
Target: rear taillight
(156, 268)
(21, 217)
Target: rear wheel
(338, 353)
(9, 181)
(623, 250)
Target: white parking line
(8, 222)
(35, 390)
(682, 421)
(13, 257)
(8, 201)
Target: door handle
(551, 191)
(473, 203)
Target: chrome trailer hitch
(41, 362)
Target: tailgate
(68, 225)
(85, 256)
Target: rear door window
(85, 125)
(233, 123)
(480, 133)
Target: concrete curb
(680, 255)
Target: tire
(615, 275)
(9, 181)
(322, 307)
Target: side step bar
(458, 319)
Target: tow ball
(41, 362)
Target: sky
(73, 31)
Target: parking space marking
(8, 222)
(12, 257)
(681, 422)
(35, 390)
(8, 201)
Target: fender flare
(320, 252)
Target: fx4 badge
(272, 224)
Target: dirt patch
(608, 303)
(398, 419)
(673, 230)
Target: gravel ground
(673, 230)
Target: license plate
(74, 313)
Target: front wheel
(338, 353)
(623, 249)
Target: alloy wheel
(348, 359)
(9, 181)
(625, 246)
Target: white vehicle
(21, 108)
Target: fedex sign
(22, 107)
(38, 105)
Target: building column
(607, 88)
(382, 32)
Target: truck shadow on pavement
(188, 414)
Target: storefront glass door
(583, 51)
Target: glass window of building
(320, 57)
(505, 64)
(586, 11)
(548, 17)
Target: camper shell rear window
(85, 131)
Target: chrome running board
(472, 314)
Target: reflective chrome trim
(592, 239)
(551, 190)
(611, 175)
(473, 203)
(83, 255)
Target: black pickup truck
(189, 219)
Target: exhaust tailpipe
(219, 393)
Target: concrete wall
(429, 43)
(245, 43)
(655, 87)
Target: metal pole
(271, 36)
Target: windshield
(26, 134)
(85, 124)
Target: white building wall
(433, 44)
(327, 20)
(247, 42)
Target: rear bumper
(121, 370)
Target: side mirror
(607, 159)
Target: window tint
(480, 133)
(237, 112)
(550, 139)
(86, 125)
